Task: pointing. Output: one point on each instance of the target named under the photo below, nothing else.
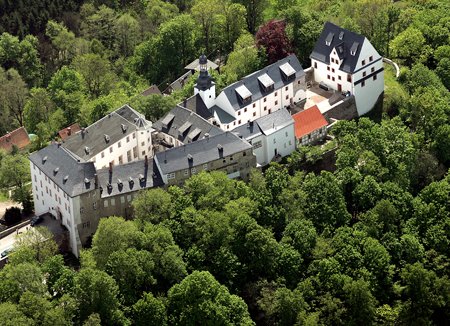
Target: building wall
(282, 140)
(313, 137)
(259, 148)
(240, 162)
(144, 142)
(208, 96)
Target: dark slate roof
(65, 170)
(274, 121)
(265, 125)
(344, 46)
(89, 142)
(202, 151)
(178, 83)
(185, 125)
(128, 178)
(195, 103)
(195, 65)
(153, 89)
(252, 83)
(224, 117)
(132, 115)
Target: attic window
(184, 127)
(86, 149)
(220, 147)
(86, 181)
(124, 128)
(354, 48)
(141, 178)
(44, 159)
(329, 39)
(266, 82)
(190, 158)
(287, 70)
(109, 186)
(167, 120)
(65, 179)
(341, 35)
(119, 182)
(107, 139)
(55, 171)
(244, 94)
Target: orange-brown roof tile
(18, 137)
(66, 132)
(308, 120)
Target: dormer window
(287, 70)
(244, 94)
(329, 39)
(354, 48)
(107, 139)
(266, 82)
(341, 35)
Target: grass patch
(395, 95)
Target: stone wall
(343, 110)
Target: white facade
(366, 82)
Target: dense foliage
(366, 243)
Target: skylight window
(329, 39)
(354, 48)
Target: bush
(12, 215)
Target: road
(9, 240)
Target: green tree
(15, 174)
(154, 106)
(154, 206)
(37, 109)
(149, 311)
(205, 12)
(127, 32)
(40, 240)
(14, 93)
(12, 316)
(409, 46)
(361, 303)
(200, 299)
(254, 10)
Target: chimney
(69, 131)
(220, 148)
(82, 132)
(146, 160)
(110, 167)
(96, 180)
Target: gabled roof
(195, 65)
(185, 125)
(254, 86)
(68, 172)
(94, 139)
(202, 151)
(18, 137)
(196, 104)
(266, 125)
(153, 89)
(308, 120)
(69, 131)
(129, 177)
(348, 45)
(178, 83)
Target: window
(86, 225)
(35, 179)
(135, 152)
(287, 97)
(276, 102)
(372, 69)
(257, 144)
(339, 78)
(228, 126)
(171, 175)
(332, 60)
(128, 139)
(363, 62)
(239, 112)
(234, 123)
(122, 199)
(374, 77)
(120, 159)
(111, 149)
(276, 93)
(102, 154)
(143, 152)
(332, 78)
(113, 202)
(119, 144)
(186, 172)
(328, 76)
(315, 65)
(371, 58)
(134, 135)
(286, 133)
(239, 122)
(94, 205)
(143, 143)
(349, 78)
(45, 178)
(254, 105)
(128, 198)
(81, 210)
(328, 68)
(270, 111)
(290, 143)
(274, 141)
(363, 83)
(245, 110)
(129, 156)
(286, 88)
(56, 197)
(105, 203)
(265, 99)
(193, 170)
(364, 74)
(265, 108)
(205, 166)
(332, 69)
(254, 114)
(41, 183)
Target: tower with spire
(205, 86)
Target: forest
(367, 243)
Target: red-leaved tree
(272, 37)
